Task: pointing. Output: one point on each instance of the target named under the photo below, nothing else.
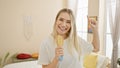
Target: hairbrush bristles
(60, 40)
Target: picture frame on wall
(89, 27)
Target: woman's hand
(93, 24)
(58, 52)
(53, 64)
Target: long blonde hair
(72, 34)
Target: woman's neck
(64, 36)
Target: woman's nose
(64, 23)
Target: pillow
(35, 55)
(103, 61)
(90, 61)
(23, 56)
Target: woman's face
(63, 23)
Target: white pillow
(102, 61)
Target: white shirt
(47, 53)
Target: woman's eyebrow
(64, 19)
(69, 20)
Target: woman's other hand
(93, 24)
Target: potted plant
(4, 60)
(118, 61)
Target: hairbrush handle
(61, 58)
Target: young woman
(74, 48)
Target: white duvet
(28, 64)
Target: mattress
(27, 64)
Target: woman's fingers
(59, 51)
(93, 23)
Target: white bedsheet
(28, 64)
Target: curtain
(72, 4)
(115, 30)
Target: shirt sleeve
(86, 47)
(43, 54)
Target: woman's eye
(68, 22)
(60, 19)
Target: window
(81, 19)
(108, 32)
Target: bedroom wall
(12, 13)
(42, 13)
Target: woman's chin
(61, 33)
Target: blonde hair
(72, 34)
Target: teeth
(63, 29)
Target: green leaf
(0, 61)
(118, 61)
(6, 56)
(14, 55)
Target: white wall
(93, 7)
(43, 12)
(12, 37)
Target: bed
(27, 64)
(102, 62)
